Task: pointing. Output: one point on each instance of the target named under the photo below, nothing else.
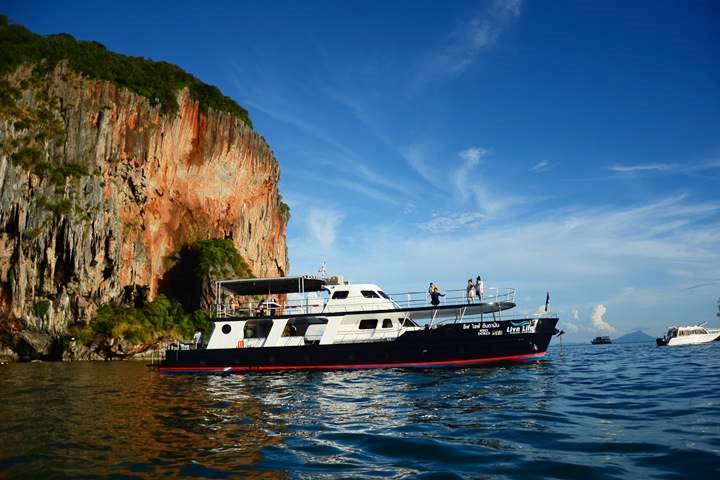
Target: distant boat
(691, 335)
(601, 340)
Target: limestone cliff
(100, 185)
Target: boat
(690, 335)
(601, 341)
(329, 324)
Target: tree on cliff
(196, 265)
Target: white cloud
(575, 313)
(322, 225)
(447, 223)
(541, 166)
(570, 327)
(469, 185)
(581, 254)
(599, 322)
(541, 309)
(418, 157)
(649, 167)
(459, 50)
(685, 168)
(471, 159)
(472, 156)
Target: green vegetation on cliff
(161, 318)
(194, 267)
(184, 288)
(217, 258)
(158, 81)
(284, 209)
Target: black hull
(452, 345)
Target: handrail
(320, 305)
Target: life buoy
(240, 344)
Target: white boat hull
(694, 339)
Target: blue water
(607, 411)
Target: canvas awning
(280, 285)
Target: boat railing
(454, 297)
(317, 305)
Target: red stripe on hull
(445, 363)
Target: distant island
(634, 337)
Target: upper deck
(296, 296)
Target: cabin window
(368, 324)
(226, 328)
(257, 328)
(369, 294)
(387, 323)
(383, 294)
(406, 322)
(340, 295)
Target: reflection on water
(609, 411)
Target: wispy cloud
(683, 168)
(469, 185)
(648, 167)
(332, 152)
(418, 156)
(566, 249)
(448, 223)
(460, 49)
(570, 327)
(322, 225)
(541, 166)
(471, 159)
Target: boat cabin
(307, 310)
(685, 331)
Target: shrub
(41, 308)
(57, 173)
(160, 318)
(59, 208)
(217, 258)
(26, 156)
(284, 209)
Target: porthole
(226, 328)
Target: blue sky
(564, 146)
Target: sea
(581, 412)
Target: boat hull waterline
(451, 345)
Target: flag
(547, 300)
(322, 270)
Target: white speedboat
(691, 335)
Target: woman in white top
(479, 288)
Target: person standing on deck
(435, 296)
(197, 339)
(479, 288)
(470, 291)
(428, 295)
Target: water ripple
(613, 411)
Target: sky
(569, 147)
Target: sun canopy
(264, 286)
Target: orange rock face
(155, 182)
